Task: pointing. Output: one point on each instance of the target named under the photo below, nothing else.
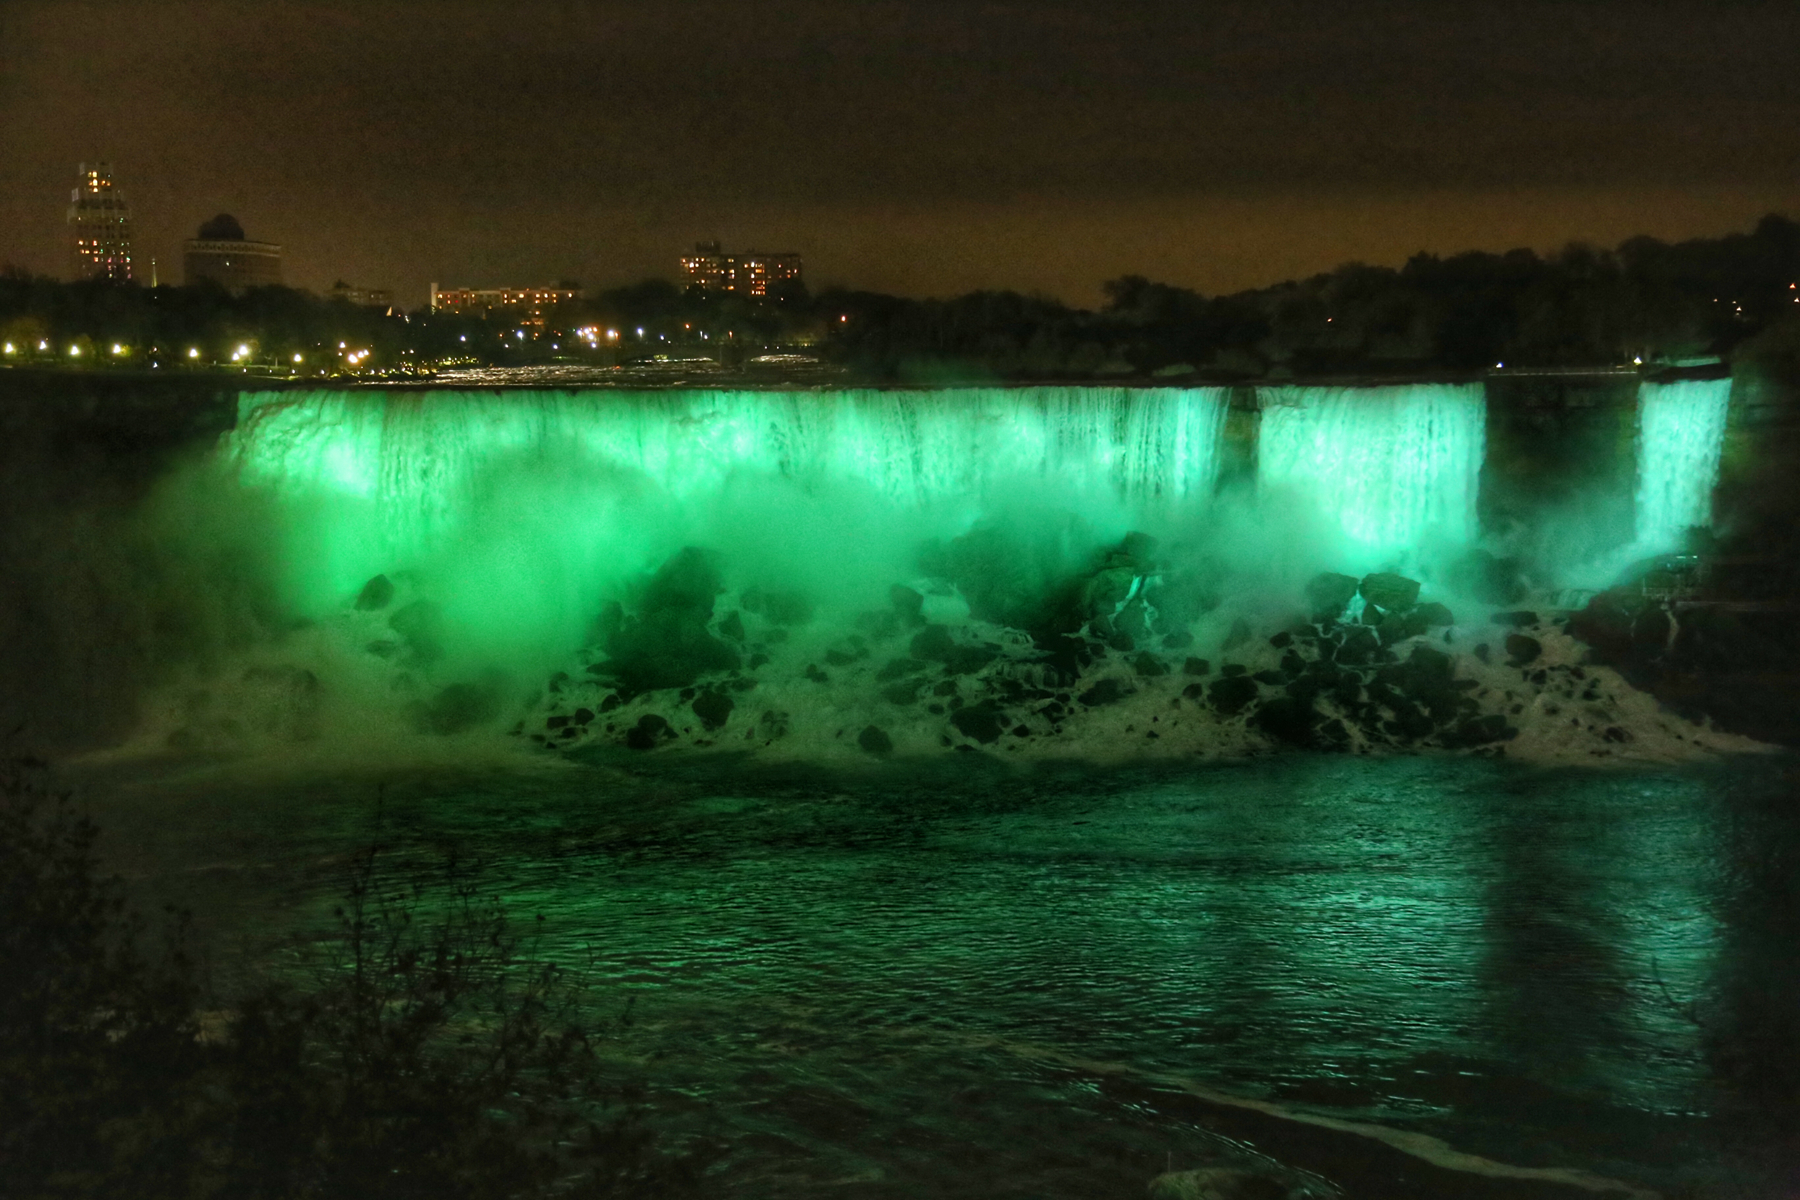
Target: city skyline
(908, 147)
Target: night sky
(916, 146)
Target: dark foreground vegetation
(417, 1051)
(1642, 300)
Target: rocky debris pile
(1014, 650)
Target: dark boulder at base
(667, 644)
(1388, 591)
(1487, 579)
(421, 626)
(1287, 719)
(934, 643)
(1107, 691)
(732, 627)
(1196, 666)
(650, 732)
(461, 706)
(1328, 595)
(1522, 649)
(713, 709)
(1479, 731)
(1232, 694)
(908, 603)
(378, 593)
(1520, 619)
(875, 741)
(983, 722)
(1148, 664)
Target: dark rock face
(460, 706)
(875, 740)
(1232, 694)
(1521, 619)
(933, 643)
(1107, 691)
(650, 732)
(667, 644)
(1388, 591)
(908, 603)
(376, 594)
(777, 608)
(421, 627)
(732, 627)
(983, 722)
(1328, 595)
(713, 709)
(1487, 579)
(1148, 664)
(1521, 649)
(1196, 666)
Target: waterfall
(1681, 431)
(1392, 466)
(395, 476)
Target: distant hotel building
(102, 222)
(528, 306)
(222, 254)
(362, 297)
(710, 269)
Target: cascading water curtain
(1393, 466)
(387, 477)
(1681, 432)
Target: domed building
(224, 255)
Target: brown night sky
(918, 146)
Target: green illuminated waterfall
(1681, 430)
(1393, 466)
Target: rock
(967, 660)
(649, 732)
(1181, 639)
(875, 741)
(1521, 619)
(1479, 731)
(1232, 694)
(1360, 646)
(1481, 576)
(1282, 640)
(933, 643)
(583, 716)
(908, 603)
(1107, 691)
(901, 693)
(1196, 666)
(1483, 652)
(898, 668)
(732, 627)
(713, 709)
(983, 722)
(1388, 591)
(1217, 1183)
(1328, 595)
(421, 626)
(375, 594)
(1433, 615)
(1521, 649)
(1237, 636)
(461, 706)
(1287, 719)
(838, 658)
(1149, 665)
(667, 644)
(778, 608)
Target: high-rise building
(755, 273)
(528, 306)
(102, 222)
(224, 255)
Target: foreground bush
(418, 1052)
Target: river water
(972, 980)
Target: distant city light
(243, 352)
(75, 351)
(9, 347)
(193, 353)
(462, 337)
(118, 349)
(296, 358)
(640, 331)
(612, 333)
(43, 345)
